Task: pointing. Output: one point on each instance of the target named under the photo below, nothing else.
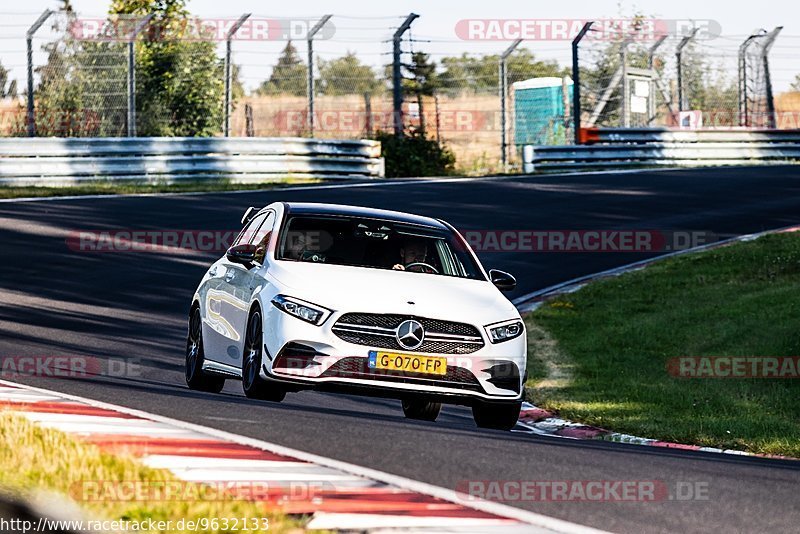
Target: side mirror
(244, 254)
(503, 280)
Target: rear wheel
(196, 378)
(253, 385)
(421, 409)
(500, 416)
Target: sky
(364, 27)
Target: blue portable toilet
(539, 111)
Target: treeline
(451, 76)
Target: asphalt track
(57, 301)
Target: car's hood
(356, 289)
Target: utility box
(540, 115)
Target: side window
(261, 238)
(247, 234)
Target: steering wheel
(422, 265)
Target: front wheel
(253, 385)
(196, 378)
(499, 415)
(421, 409)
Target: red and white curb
(352, 497)
(536, 420)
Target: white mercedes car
(359, 300)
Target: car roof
(341, 210)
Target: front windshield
(375, 244)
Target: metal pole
(131, 130)
(503, 96)
(743, 76)
(651, 52)
(576, 83)
(678, 55)
(29, 42)
(626, 85)
(397, 89)
(769, 41)
(310, 84)
(226, 127)
(565, 101)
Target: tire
(196, 378)
(421, 409)
(499, 416)
(253, 385)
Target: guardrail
(58, 161)
(642, 147)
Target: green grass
(599, 356)
(136, 187)
(36, 459)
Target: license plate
(429, 365)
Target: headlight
(504, 331)
(310, 313)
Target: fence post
(131, 130)
(651, 53)
(626, 85)
(29, 42)
(226, 126)
(743, 77)
(249, 127)
(576, 83)
(769, 40)
(678, 56)
(397, 89)
(368, 113)
(310, 84)
(503, 96)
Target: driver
(296, 245)
(412, 251)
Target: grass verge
(38, 459)
(599, 356)
(136, 187)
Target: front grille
(355, 367)
(378, 330)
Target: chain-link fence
(689, 79)
(336, 77)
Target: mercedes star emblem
(410, 334)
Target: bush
(415, 156)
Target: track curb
(348, 498)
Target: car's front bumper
(310, 356)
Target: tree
(423, 82)
(180, 82)
(288, 75)
(347, 76)
(11, 90)
(479, 74)
(73, 93)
